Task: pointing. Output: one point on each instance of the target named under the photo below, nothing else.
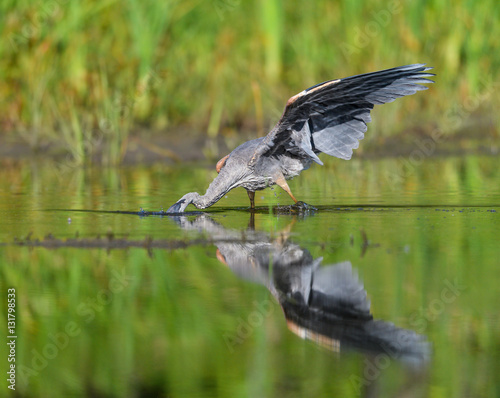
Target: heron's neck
(215, 191)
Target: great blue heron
(329, 117)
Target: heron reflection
(326, 304)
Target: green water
(118, 305)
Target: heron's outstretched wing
(331, 117)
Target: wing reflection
(326, 304)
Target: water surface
(390, 288)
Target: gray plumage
(329, 117)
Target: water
(230, 303)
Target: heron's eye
(221, 163)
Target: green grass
(84, 75)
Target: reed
(203, 61)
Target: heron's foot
(303, 206)
(300, 208)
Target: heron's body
(266, 169)
(329, 118)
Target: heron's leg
(251, 196)
(251, 222)
(283, 184)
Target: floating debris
(110, 241)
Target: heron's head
(182, 203)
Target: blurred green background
(97, 78)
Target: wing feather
(331, 117)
